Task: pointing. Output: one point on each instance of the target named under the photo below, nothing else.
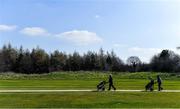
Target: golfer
(111, 83)
(159, 81)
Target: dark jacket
(159, 80)
(110, 80)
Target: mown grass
(83, 80)
(81, 84)
(90, 100)
(87, 80)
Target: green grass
(81, 84)
(87, 75)
(83, 80)
(87, 80)
(91, 100)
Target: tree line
(39, 61)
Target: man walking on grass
(159, 81)
(111, 83)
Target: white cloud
(7, 27)
(97, 16)
(34, 31)
(138, 49)
(145, 54)
(80, 37)
(117, 45)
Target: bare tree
(133, 61)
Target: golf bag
(150, 86)
(101, 86)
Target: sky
(128, 27)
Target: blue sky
(129, 27)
